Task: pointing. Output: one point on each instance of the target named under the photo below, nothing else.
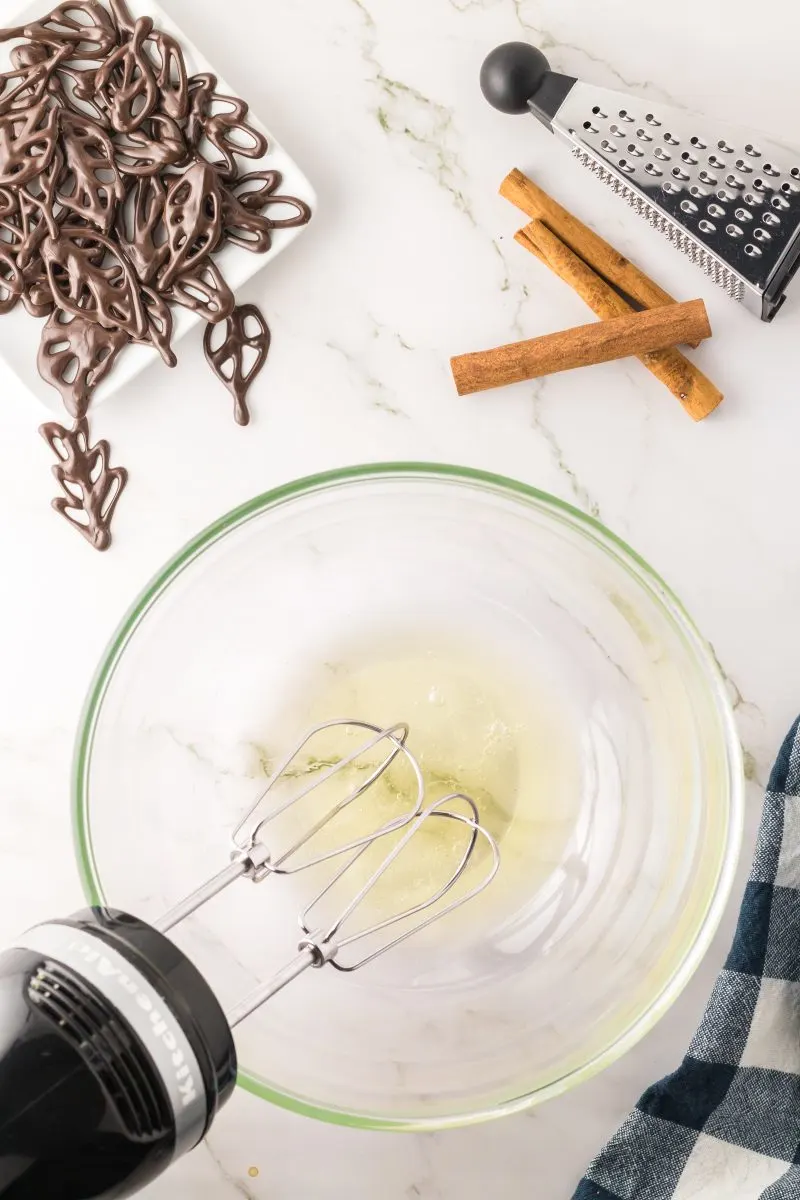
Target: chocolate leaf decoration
(90, 38)
(92, 185)
(125, 84)
(74, 88)
(222, 120)
(12, 283)
(107, 294)
(75, 355)
(139, 223)
(159, 326)
(28, 55)
(246, 224)
(171, 79)
(159, 143)
(204, 291)
(91, 487)
(193, 218)
(27, 143)
(227, 358)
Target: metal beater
(115, 1055)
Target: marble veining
(410, 259)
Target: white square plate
(20, 333)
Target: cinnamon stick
(698, 395)
(600, 341)
(583, 241)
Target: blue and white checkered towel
(726, 1124)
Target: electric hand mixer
(116, 1056)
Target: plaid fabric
(726, 1124)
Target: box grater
(729, 198)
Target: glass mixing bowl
(541, 664)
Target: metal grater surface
(728, 198)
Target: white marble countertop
(410, 259)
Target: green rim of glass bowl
(630, 561)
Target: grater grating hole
(679, 173)
(635, 151)
(716, 210)
(795, 172)
(696, 190)
(760, 186)
(689, 158)
(607, 145)
(652, 169)
(724, 147)
(624, 115)
(735, 231)
(706, 226)
(752, 251)
(771, 218)
(751, 199)
(598, 112)
(711, 180)
(689, 206)
(721, 274)
(662, 154)
(714, 161)
(670, 140)
(769, 169)
(626, 166)
(643, 135)
(724, 194)
(752, 150)
(696, 141)
(651, 120)
(615, 129)
(734, 180)
(588, 125)
(788, 187)
(744, 167)
(779, 202)
(743, 214)
(762, 235)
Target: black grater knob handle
(512, 75)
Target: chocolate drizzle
(121, 179)
(91, 488)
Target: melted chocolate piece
(37, 297)
(222, 121)
(12, 283)
(140, 227)
(92, 186)
(91, 487)
(107, 294)
(227, 358)
(75, 355)
(159, 325)
(125, 85)
(27, 143)
(193, 218)
(171, 78)
(204, 291)
(90, 39)
(157, 144)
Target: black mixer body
(115, 1058)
